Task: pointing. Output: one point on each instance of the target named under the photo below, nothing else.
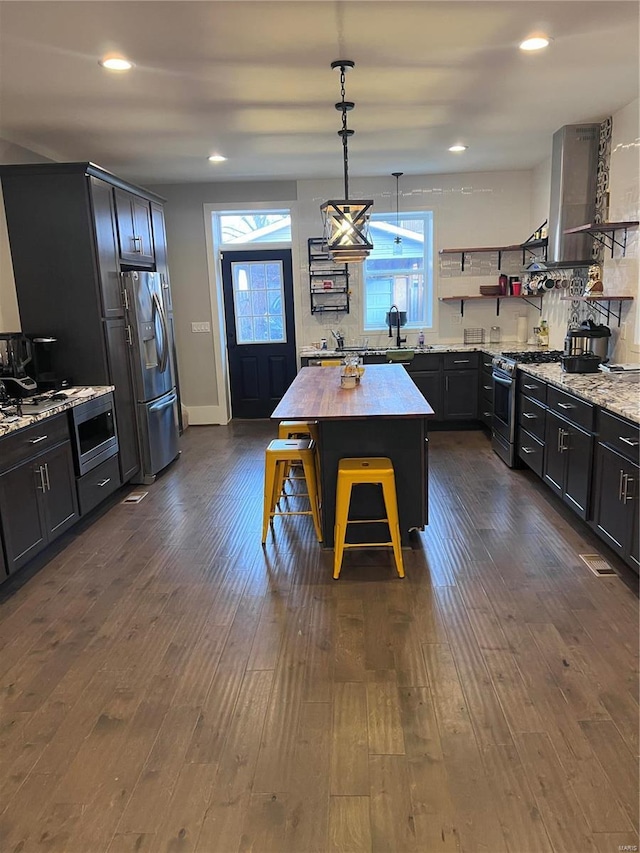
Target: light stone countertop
(617, 394)
(9, 426)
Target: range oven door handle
(502, 381)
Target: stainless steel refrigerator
(153, 372)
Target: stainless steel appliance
(504, 421)
(588, 338)
(15, 355)
(42, 366)
(151, 364)
(95, 434)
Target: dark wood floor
(167, 685)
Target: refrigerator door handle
(164, 404)
(164, 355)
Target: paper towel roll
(522, 333)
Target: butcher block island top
(385, 391)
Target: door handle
(125, 299)
(129, 335)
(626, 497)
(620, 484)
(40, 470)
(164, 355)
(157, 407)
(561, 436)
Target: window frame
(427, 320)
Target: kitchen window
(399, 270)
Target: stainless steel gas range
(505, 417)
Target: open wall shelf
(605, 233)
(529, 247)
(462, 299)
(601, 298)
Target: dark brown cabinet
(82, 220)
(616, 490)
(133, 217)
(37, 503)
(567, 462)
(485, 391)
(460, 390)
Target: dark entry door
(258, 307)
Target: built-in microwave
(94, 429)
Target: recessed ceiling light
(116, 63)
(217, 158)
(458, 148)
(535, 43)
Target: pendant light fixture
(397, 242)
(346, 221)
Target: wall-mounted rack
(498, 299)
(605, 233)
(535, 242)
(328, 281)
(595, 300)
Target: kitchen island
(385, 415)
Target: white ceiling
(252, 80)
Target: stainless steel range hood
(574, 167)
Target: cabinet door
(634, 545)
(577, 487)
(133, 216)
(554, 456)
(124, 397)
(22, 513)
(60, 500)
(611, 520)
(460, 395)
(107, 247)
(430, 386)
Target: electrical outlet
(201, 327)
(456, 320)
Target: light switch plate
(201, 327)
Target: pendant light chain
(344, 133)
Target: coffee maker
(42, 366)
(15, 355)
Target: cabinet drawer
(487, 362)
(532, 415)
(533, 387)
(622, 436)
(460, 360)
(98, 484)
(425, 361)
(531, 451)
(577, 411)
(28, 442)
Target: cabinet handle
(129, 336)
(488, 414)
(620, 484)
(488, 387)
(461, 361)
(528, 449)
(103, 483)
(46, 475)
(163, 279)
(446, 383)
(42, 486)
(565, 406)
(37, 440)
(135, 240)
(630, 441)
(626, 497)
(125, 299)
(531, 387)
(529, 416)
(561, 436)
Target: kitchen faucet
(399, 340)
(339, 339)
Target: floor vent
(135, 497)
(598, 565)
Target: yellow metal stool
(370, 470)
(301, 429)
(279, 455)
